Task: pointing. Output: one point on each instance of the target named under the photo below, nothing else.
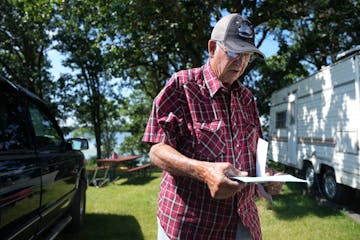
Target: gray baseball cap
(236, 33)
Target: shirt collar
(213, 83)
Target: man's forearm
(172, 161)
(215, 175)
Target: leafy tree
(310, 34)
(137, 106)
(24, 40)
(139, 44)
(157, 38)
(154, 40)
(111, 126)
(88, 92)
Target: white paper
(261, 155)
(277, 178)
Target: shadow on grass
(102, 226)
(352, 203)
(294, 204)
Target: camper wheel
(309, 175)
(332, 190)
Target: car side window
(46, 135)
(13, 134)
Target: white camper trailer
(315, 126)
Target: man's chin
(233, 76)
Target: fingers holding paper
(273, 188)
(219, 183)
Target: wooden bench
(143, 170)
(98, 176)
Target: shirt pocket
(252, 134)
(210, 139)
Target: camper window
(280, 121)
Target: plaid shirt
(195, 114)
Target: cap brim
(239, 46)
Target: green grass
(295, 216)
(127, 210)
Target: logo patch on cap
(245, 30)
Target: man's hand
(219, 183)
(215, 175)
(266, 190)
(273, 188)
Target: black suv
(42, 176)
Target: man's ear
(211, 48)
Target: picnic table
(110, 169)
(143, 170)
(115, 163)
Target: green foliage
(157, 38)
(24, 40)
(134, 107)
(152, 40)
(278, 71)
(112, 45)
(310, 34)
(88, 94)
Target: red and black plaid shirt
(203, 120)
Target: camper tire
(332, 190)
(309, 175)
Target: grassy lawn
(126, 210)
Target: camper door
(292, 129)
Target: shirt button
(237, 145)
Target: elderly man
(204, 128)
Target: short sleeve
(167, 119)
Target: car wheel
(78, 206)
(331, 189)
